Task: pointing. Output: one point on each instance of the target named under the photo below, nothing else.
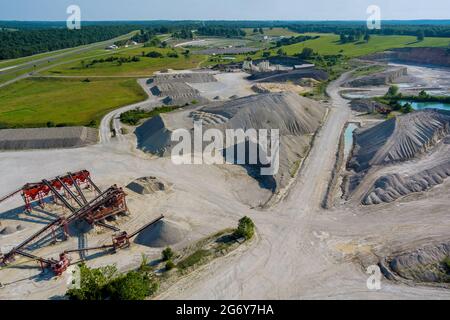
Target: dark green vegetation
(167, 254)
(293, 40)
(246, 228)
(221, 32)
(393, 98)
(132, 117)
(107, 284)
(28, 42)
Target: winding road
(294, 255)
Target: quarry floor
(301, 251)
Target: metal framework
(106, 204)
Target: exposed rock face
(423, 265)
(429, 56)
(297, 119)
(378, 79)
(47, 138)
(394, 186)
(368, 106)
(399, 139)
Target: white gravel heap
(47, 138)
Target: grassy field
(145, 67)
(328, 44)
(34, 102)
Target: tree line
(26, 42)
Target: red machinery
(40, 190)
(57, 266)
(104, 205)
(120, 240)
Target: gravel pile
(399, 139)
(296, 117)
(47, 138)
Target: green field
(145, 67)
(329, 44)
(34, 102)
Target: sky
(95, 10)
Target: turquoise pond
(348, 138)
(427, 105)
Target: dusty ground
(302, 251)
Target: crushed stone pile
(295, 76)
(162, 234)
(399, 139)
(10, 230)
(296, 117)
(175, 89)
(378, 79)
(394, 186)
(191, 77)
(368, 106)
(148, 185)
(47, 138)
(423, 265)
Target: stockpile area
(148, 185)
(399, 139)
(378, 79)
(291, 76)
(430, 264)
(175, 89)
(47, 138)
(297, 118)
(381, 156)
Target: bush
(167, 254)
(105, 284)
(92, 283)
(154, 54)
(447, 264)
(170, 265)
(246, 228)
(132, 286)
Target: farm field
(328, 44)
(145, 67)
(34, 102)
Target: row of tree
(19, 43)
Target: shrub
(92, 283)
(154, 54)
(167, 254)
(105, 284)
(447, 263)
(170, 265)
(131, 286)
(246, 228)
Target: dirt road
(295, 256)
